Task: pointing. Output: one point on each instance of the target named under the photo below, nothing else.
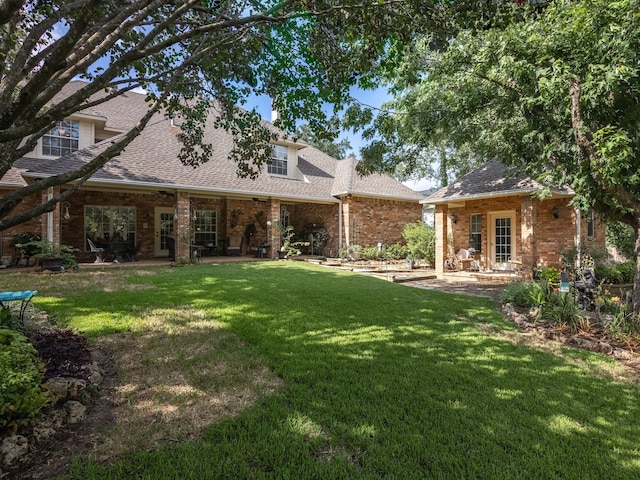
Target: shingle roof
(490, 180)
(151, 161)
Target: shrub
(550, 275)
(560, 309)
(522, 294)
(19, 241)
(608, 274)
(616, 274)
(370, 253)
(421, 240)
(21, 397)
(622, 237)
(627, 271)
(396, 251)
(47, 249)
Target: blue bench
(24, 297)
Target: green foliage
(24, 242)
(523, 294)
(608, 274)
(554, 307)
(396, 251)
(324, 142)
(370, 253)
(21, 397)
(47, 249)
(550, 91)
(290, 245)
(623, 238)
(623, 324)
(569, 257)
(351, 354)
(305, 55)
(550, 275)
(616, 274)
(628, 271)
(421, 240)
(560, 309)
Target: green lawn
(377, 380)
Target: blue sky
(374, 98)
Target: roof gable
(151, 161)
(489, 180)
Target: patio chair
(234, 245)
(466, 260)
(99, 251)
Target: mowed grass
(288, 370)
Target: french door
(502, 231)
(164, 229)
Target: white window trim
(286, 161)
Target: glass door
(502, 239)
(164, 230)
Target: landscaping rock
(520, 320)
(76, 412)
(65, 388)
(621, 354)
(96, 374)
(53, 419)
(580, 342)
(13, 450)
(507, 308)
(603, 347)
(43, 433)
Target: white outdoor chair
(99, 251)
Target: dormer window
(61, 139)
(279, 160)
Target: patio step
(489, 278)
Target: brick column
(182, 226)
(442, 230)
(528, 253)
(273, 234)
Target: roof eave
(479, 196)
(371, 195)
(194, 189)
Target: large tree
(324, 141)
(192, 55)
(555, 91)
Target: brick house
(494, 211)
(146, 197)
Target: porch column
(442, 231)
(346, 223)
(273, 234)
(528, 248)
(182, 226)
(50, 222)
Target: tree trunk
(636, 281)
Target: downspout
(578, 237)
(340, 225)
(50, 216)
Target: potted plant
(53, 256)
